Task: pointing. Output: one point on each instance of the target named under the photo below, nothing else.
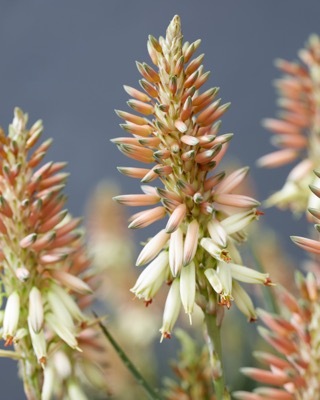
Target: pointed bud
(176, 251)
(188, 288)
(191, 242)
(35, 310)
(171, 310)
(11, 317)
(153, 247)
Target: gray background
(66, 62)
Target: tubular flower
(44, 266)
(177, 133)
(296, 132)
(294, 371)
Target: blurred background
(66, 61)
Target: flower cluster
(295, 335)
(178, 132)
(44, 265)
(296, 132)
(294, 373)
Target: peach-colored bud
(277, 158)
(136, 93)
(135, 119)
(133, 172)
(274, 394)
(137, 199)
(153, 247)
(141, 107)
(149, 88)
(232, 181)
(70, 281)
(241, 395)
(203, 117)
(176, 218)
(283, 345)
(146, 218)
(271, 378)
(279, 126)
(236, 200)
(176, 251)
(191, 242)
(313, 246)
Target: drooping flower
(45, 270)
(296, 131)
(177, 133)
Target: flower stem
(215, 351)
(128, 363)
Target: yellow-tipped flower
(177, 133)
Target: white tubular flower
(238, 222)
(217, 233)
(68, 302)
(35, 310)
(75, 392)
(243, 301)
(11, 318)
(60, 311)
(188, 288)
(225, 276)
(48, 384)
(248, 275)
(214, 280)
(62, 331)
(176, 252)
(171, 310)
(151, 278)
(216, 251)
(38, 343)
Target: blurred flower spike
(44, 265)
(296, 131)
(177, 132)
(293, 373)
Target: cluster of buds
(297, 130)
(196, 252)
(192, 370)
(44, 265)
(294, 372)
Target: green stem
(215, 351)
(128, 363)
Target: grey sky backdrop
(66, 62)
